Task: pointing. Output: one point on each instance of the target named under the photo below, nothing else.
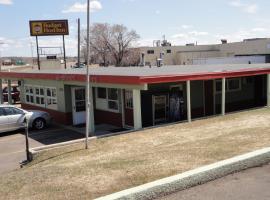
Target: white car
(12, 118)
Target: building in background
(255, 50)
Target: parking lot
(12, 144)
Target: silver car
(12, 118)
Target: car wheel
(39, 124)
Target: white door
(78, 105)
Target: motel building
(138, 97)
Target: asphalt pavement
(251, 184)
(12, 144)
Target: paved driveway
(12, 145)
(252, 184)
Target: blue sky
(182, 21)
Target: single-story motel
(137, 97)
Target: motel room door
(159, 109)
(209, 97)
(78, 105)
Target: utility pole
(87, 77)
(79, 42)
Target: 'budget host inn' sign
(48, 27)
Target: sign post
(64, 48)
(38, 59)
(49, 28)
(87, 77)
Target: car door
(15, 117)
(4, 123)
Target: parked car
(15, 93)
(82, 65)
(12, 118)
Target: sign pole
(79, 42)
(27, 140)
(64, 47)
(38, 59)
(87, 77)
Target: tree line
(112, 45)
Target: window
(232, 85)
(101, 93)
(51, 98)
(113, 99)
(107, 99)
(150, 52)
(169, 51)
(29, 94)
(129, 99)
(12, 111)
(2, 112)
(41, 96)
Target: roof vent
(224, 41)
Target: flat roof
(142, 75)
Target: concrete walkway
(251, 184)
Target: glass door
(159, 109)
(79, 109)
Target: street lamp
(87, 77)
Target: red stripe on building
(136, 80)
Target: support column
(1, 91)
(92, 111)
(137, 110)
(9, 93)
(268, 90)
(223, 98)
(122, 107)
(188, 102)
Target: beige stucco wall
(185, 54)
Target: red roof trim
(135, 79)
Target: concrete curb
(194, 177)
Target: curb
(192, 178)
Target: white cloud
(77, 7)
(250, 8)
(180, 35)
(6, 2)
(258, 29)
(198, 33)
(185, 26)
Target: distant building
(257, 49)
(7, 62)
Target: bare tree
(110, 44)
(132, 57)
(120, 42)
